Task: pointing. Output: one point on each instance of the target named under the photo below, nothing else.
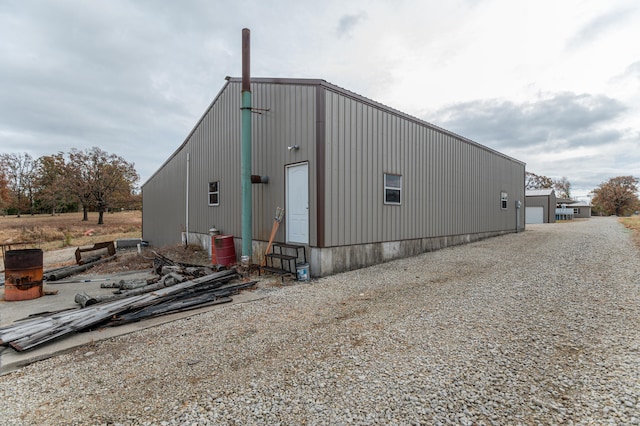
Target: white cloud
(120, 74)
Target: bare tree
(534, 181)
(19, 171)
(562, 187)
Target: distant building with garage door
(361, 183)
(540, 206)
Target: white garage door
(534, 215)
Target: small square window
(392, 189)
(504, 197)
(214, 193)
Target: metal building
(540, 205)
(581, 210)
(361, 183)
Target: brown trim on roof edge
(367, 101)
(320, 164)
(298, 81)
(323, 85)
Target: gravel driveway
(541, 327)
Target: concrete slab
(10, 312)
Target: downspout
(247, 232)
(186, 213)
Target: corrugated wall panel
(214, 149)
(163, 213)
(215, 146)
(450, 186)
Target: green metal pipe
(247, 208)
(247, 231)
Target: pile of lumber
(206, 290)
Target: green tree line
(90, 179)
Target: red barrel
(214, 261)
(23, 274)
(224, 250)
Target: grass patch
(633, 223)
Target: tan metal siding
(214, 147)
(449, 185)
(163, 212)
(213, 152)
(290, 120)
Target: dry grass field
(53, 233)
(633, 223)
(66, 230)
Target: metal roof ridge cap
(347, 92)
(278, 80)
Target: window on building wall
(214, 193)
(576, 211)
(392, 189)
(504, 200)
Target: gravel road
(541, 327)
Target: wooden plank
(169, 308)
(274, 230)
(31, 333)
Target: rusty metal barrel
(23, 274)
(225, 250)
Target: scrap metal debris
(162, 264)
(178, 287)
(96, 251)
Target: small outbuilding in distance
(540, 206)
(581, 209)
(361, 183)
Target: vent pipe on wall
(245, 180)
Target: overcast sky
(555, 84)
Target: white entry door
(297, 209)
